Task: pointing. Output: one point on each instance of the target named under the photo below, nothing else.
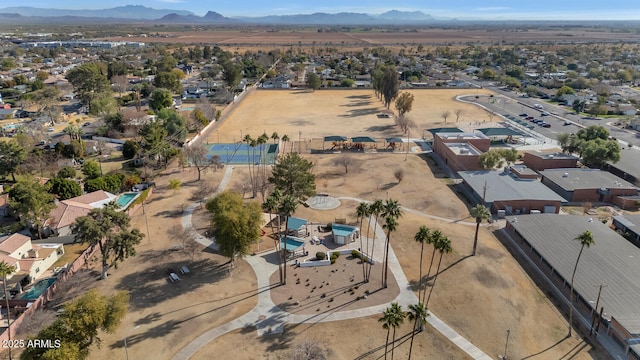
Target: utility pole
(504, 356)
(484, 191)
(147, 222)
(595, 309)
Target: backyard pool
(36, 290)
(126, 199)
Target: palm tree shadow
(450, 266)
(548, 348)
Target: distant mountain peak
(405, 15)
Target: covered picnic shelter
(501, 132)
(337, 141)
(391, 142)
(359, 141)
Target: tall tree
(110, 231)
(375, 209)
(433, 239)
(77, 328)
(32, 203)
(362, 211)
(391, 213)
(231, 73)
(444, 247)
(160, 99)
(390, 319)
(272, 205)
(422, 236)
(418, 313)
(5, 272)
(404, 103)
(292, 175)
(12, 156)
(89, 80)
(64, 188)
(197, 156)
(586, 240)
(236, 224)
(313, 81)
(287, 207)
(390, 85)
(480, 213)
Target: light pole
(299, 142)
(147, 222)
(406, 154)
(126, 351)
(504, 357)
(218, 133)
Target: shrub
(334, 257)
(355, 254)
(321, 255)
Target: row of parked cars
(540, 122)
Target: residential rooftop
(611, 260)
(577, 179)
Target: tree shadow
(360, 112)
(357, 103)
(169, 213)
(399, 341)
(358, 97)
(548, 348)
(388, 186)
(380, 128)
(151, 286)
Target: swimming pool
(125, 199)
(292, 243)
(36, 290)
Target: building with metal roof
(578, 185)
(549, 243)
(629, 226)
(628, 167)
(505, 191)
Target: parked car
(524, 115)
(86, 124)
(544, 124)
(567, 123)
(529, 118)
(544, 113)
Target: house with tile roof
(30, 260)
(67, 211)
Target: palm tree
(275, 137)
(248, 139)
(272, 205)
(585, 239)
(399, 316)
(480, 212)
(433, 240)
(391, 213)
(375, 208)
(362, 211)
(252, 163)
(285, 139)
(422, 236)
(392, 317)
(288, 206)
(444, 246)
(418, 313)
(5, 271)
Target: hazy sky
(483, 9)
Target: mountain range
(142, 14)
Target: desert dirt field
(480, 297)
(291, 36)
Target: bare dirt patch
(326, 289)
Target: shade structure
(363, 139)
(335, 138)
(445, 130)
(499, 132)
(394, 140)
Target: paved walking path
(269, 318)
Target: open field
(313, 115)
(256, 36)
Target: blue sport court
(243, 154)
